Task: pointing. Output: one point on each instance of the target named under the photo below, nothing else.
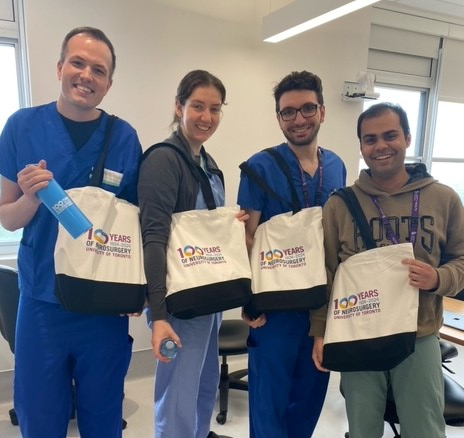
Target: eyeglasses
(307, 111)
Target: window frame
(13, 33)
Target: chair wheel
(13, 417)
(221, 418)
(124, 424)
(347, 435)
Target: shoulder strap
(261, 183)
(97, 173)
(351, 201)
(199, 175)
(284, 167)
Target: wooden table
(449, 333)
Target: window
(13, 85)
(9, 103)
(9, 82)
(446, 158)
(448, 151)
(413, 101)
(424, 56)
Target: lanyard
(414, 221)
(304, 183)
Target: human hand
(242, 216)
(161, 329)
(318, 348)
(256, 322)
(33, 178)
(422, 275)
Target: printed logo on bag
(358, 304)
(283, 258)
(111, 245)
(195, 255)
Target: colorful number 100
(346, 302)
(270, 255)
(190, 251)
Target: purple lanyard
(304, 183)
(414, 222)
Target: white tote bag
(287, 262)
(207, 263)
(101, 271)
(372, 317)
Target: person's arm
(18, 201)
(318, 317)
(251, 225)
(158, 186)
(445, 278)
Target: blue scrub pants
(417, 386)
(186, 387)
(286, 391)
(55, 347)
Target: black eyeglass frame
(314, 108)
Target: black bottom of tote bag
(293, 300)
(211, 298)
(379, 354)
(98, 297)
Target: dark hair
(303, 80)
(94, 33)
(193, 80)
(381, 108)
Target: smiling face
(84, 76)
(200, 116)
(301, 131)
(383, 147)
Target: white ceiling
(252, 11)
(452, 8)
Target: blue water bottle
(63, 208)
(168, 348)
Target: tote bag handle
(351, 201)
(261, 183)
(200, 176)
(97, 173)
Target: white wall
(156, 45)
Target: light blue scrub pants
(186, 387)
(54, 348)
(286, 391)
(417, 385)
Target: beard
(302, 141)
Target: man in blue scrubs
(286, 391)
(55, 347)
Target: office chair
(233, 335)
(9, 299)
(454, 395)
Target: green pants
(418, 391)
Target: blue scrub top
(32, 134)
(250, 196)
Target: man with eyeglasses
(286, 391)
